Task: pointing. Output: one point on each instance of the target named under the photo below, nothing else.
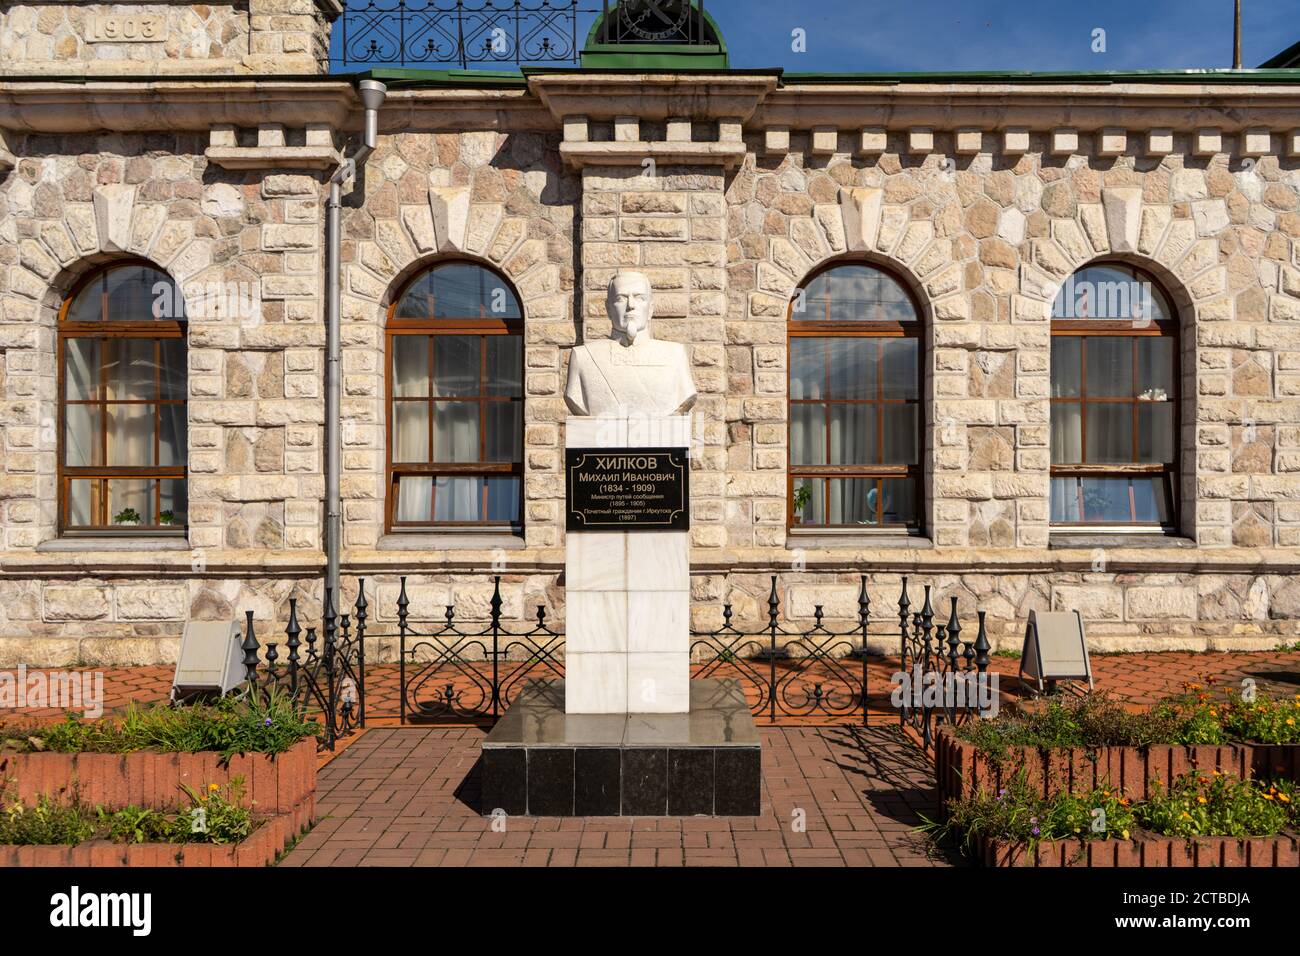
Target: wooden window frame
(108, 329)
(874, 329)
(482, 326)
(1084, 328)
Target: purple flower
(267, 722)
(1035, 831)
(1033, 819)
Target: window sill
(810, 538)
(450, 541)
(116, 542)
(1057, 540)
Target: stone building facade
(729, 190)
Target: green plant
(1019, 813)
(1197, 804)
(166, 517)
(224, 818)
(1198, 715)
(1210, 715)
(127, 516)
(1092, 720)
(252, 724)
(49, 822)
(214, 815)
(802, 496)
(1266, 720)
(136, 825)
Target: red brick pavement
(1138, 678)
(832, 796)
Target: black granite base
(540, 761)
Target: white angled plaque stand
(627, 594)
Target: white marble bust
(630, 373)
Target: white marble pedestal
(627, 595)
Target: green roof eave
(653, 56)
(647, 62)
(1029, 76)
(451, 79)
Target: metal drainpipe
(372, 94)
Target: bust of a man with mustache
(630, 373)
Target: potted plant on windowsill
(167, 518)
(802, 497)
(127, 516)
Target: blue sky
(889, 35)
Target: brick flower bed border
(260, 849)
(1146, 850)
(279, 784)
(961, 770)
(279, 788)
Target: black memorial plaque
(627, 489)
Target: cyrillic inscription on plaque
(622, 489)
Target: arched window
(455, 397)
(1114, 400)
(122, 390)
(855, 418)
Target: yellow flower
(1124, 834)
(213, 788)
(1290, 721)
(1200, 799)
(1186, 815)
(1268, 796)
(1284, 798)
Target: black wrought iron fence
(456, 670)
(324, 675)
(460, 32)
(944, 677)
(468, 672)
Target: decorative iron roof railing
(460, 32)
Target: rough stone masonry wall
(255, 408)
(106, 39)
(984, 244)
(504, 201)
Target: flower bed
(1197, 820)
(262, 751)
(961, 768)
(260, 848)
(1091, 742)
(148, 755)
(278, 783)
(216, 828)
